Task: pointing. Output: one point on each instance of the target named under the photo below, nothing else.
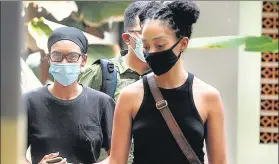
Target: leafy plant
(261, 44)
(85, 13)
(251, 43)
(96, 14)
(28, 79)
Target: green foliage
(28, 80)
(99, 51)
(72, 23)
(39, 26)
(42, 30)
(217, 42)
(261, 44)
(251, 43)
(97, 13)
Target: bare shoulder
(208, 94)
(131, 96)
(206, 90)
(133, 89)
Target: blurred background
(101, 21)
(234, 48)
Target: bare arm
(215, 141)
(121, 133)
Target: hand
(50, 156)
(64, 161)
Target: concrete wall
(249, 149)
(236, 74)
(219, 67)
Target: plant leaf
(28, 79)
(95, 52)
(217, 42)
(40, 32)
(263, 46)
(252, 43)
(54, 8)
(96, 13)
(40, 29)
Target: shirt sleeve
(107, 122)
(92, 77)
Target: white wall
(236, 74)
(219, 67)
(249, 149)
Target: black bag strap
(109, 76)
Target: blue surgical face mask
(139, 48)
(65, 74)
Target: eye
(145, 48)
(160, 46)
(56, 56)
(73, 57)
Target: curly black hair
(180, 15)
(149, 10)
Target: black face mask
(162, 62)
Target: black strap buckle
(110, 67)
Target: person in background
(196, 106)
(66, 118)
(128, 67)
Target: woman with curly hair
(196, 106)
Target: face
(132, 34)
(157, 36)
(66, 51)
(66, 61)
(161, 48)
(133, 39)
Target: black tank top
(153, 141)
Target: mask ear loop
(132, 37)
(134, 49)
(176, 43)
(133, 40)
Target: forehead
(65, 46)
(156, 28)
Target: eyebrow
(160, 37)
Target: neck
(134, 63)
(173, 78)
(65, 92)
